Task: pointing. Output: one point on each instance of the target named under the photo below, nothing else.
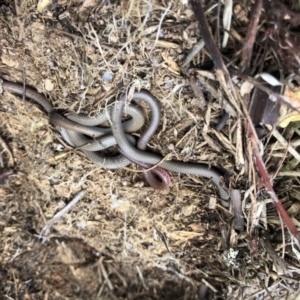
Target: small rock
(49, 86)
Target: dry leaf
(52, 160)
(87, 4)
(48, 139)
(43, 4)
(287, 115)
(246, 88)
(240, 13)
(183, 236)
(171, 63)
(188, 210)
(271, 80)
(38, 25)
(120, 205)
(8, 61)
(165, 44)
(196, 227)
(36, 125)
(150, 29)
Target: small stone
(49, 86)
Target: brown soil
(122, 240)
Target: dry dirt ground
(122, 240)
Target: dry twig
(46, 229)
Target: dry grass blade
(227, 17)
(283, 142)
(46, 229)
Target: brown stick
(251, 35)
(6, 173)
(266, 178)
(207, 37)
